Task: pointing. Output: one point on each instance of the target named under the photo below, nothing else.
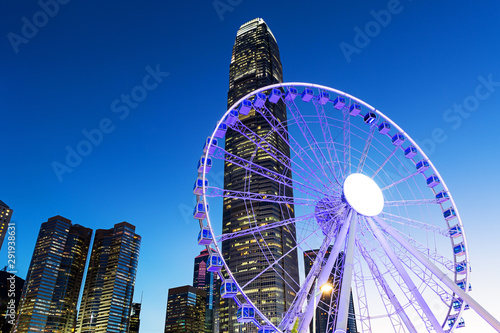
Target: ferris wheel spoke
(311, 142)
(214, 192)
(387, 291)
(220, 153)
(410, 202)
(404, 275)
(327, 135)
(441, 276)
(288, 138)
(368, 143)
(385, 161)
(400, 181)
(414, 223)
(359, 282)
(265, 146)
(347, 140)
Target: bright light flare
(326, 288)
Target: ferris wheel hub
(363, 194)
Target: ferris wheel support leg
(345, 289)
(441, 275)
(325, 273)
(404, 274)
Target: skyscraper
(5, 215)
(322, 320)
(185, 310)
(255, 63)
(135, 318)
(50, 293)
(109, 286)
(9, 283)
(203, 279)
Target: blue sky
(72, 73)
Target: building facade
(52, 287)
(322, 320)
(109, 286)
(203, 279)
(256, 63)
(135, 320)
(185, 310)
(9, 284)
(5, 216)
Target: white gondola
(354, 109)
(212, 147)
(275, 96)
(370, 117)
(455, 231)
(432, 181)
(245, 313)
(442, 197)
(323, 97)
(459, 249)
(449, 214)
(462, 285)
(266, 329)
(384, 128)
(339, 102)
(461, 268)
(199, 212)
(205, 236)
(202, 162)
(291, 93)
(307, 94)
(398, 139)
(232, 117)
(422, 166)
(410, 152)
(245, 107)
(214, 263)
(228, 289)
(198, 186)
(451, 322)
(259, 100)
(221, 130)
(457, 304)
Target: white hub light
(363, 194)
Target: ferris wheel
(367, 212)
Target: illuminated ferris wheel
(362, 191)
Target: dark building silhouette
(323, 323)
(256, 63)
(109, 286)
(135, 320)
(185, 310)
(50, 293)
(203, 279)
(11, 287)
(5, 216)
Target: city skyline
(66, 78)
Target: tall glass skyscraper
(185, 310)
(50, 293)
(5, 216)
(109, 286)
(203, 279)
(255, 63)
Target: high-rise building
(256, 63)
(50, 293)
(203, 279)
(5, 215)
(109, 286)
(135, 320)
(11, 287)
(322, 320)
(185, 310)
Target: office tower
(50, 293)
(109, 286)
(185, 310)
(11, 287)
(255, 63)
(322, 320)
(135, 320)
(5, 215)
(203, 279)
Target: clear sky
(432, 67)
